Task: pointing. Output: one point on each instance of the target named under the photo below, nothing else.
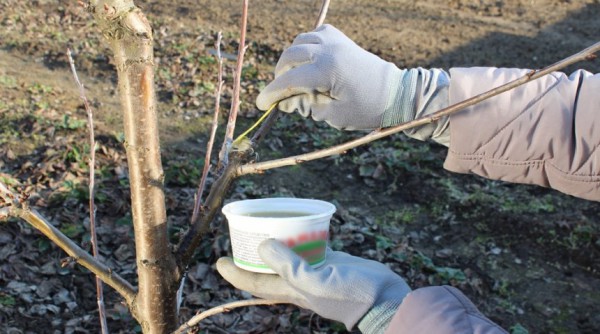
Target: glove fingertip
(262, 102)
(270, 247)
(274, 253)
(226, 267)
(281, 259)
(223, 260)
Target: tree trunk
(130, 37)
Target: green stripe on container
(250, 264)
(317, 261)
(309, 246)
(264, 266)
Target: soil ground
(528, 257)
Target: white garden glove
(324, 74)
(346, 288)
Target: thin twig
(322, 13)
(235, 101)
(92, 205)
(267, 124)
(18, 208)
(213, 132)
(586, 54)
(195, 320)
(270, 121)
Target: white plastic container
(302, 224)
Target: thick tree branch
(82, 257)
(16, 207)
(586, 54)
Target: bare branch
(195, 320)
(377, 134)
(82, 257)
(18, 208)
(270, 121)
(265, 127)
(92, 206)
(322, 13)
(213, 132)
(235, 102)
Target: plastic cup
(302, 224)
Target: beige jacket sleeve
(440, 310)
(545, 132)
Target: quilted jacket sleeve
(544, 132)
(440, 310)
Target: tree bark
(130, 37)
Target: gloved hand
(345, 288)
(324, 74)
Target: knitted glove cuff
(378, 318)
(401, 105)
